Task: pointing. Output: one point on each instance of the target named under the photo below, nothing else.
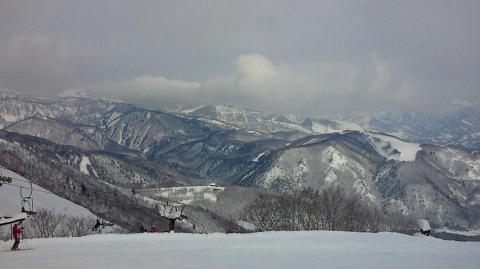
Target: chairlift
(100, 224)
(27, 201)
(173, 212)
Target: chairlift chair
(27, 201)
(100, 224)
(172, 212)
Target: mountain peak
(6, 94)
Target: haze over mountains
(427, 166)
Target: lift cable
(148, 204)
(33, 189)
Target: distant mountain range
(457, 126)
(421, 165)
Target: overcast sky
(305, 57)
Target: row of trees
(47, 224)
(328, 209)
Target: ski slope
(279, 250)
(10, 198)
(407, 150)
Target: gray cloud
(309, 57)
(255, 81)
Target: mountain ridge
(131, 147)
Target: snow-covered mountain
(459, 125)
(105, 183)
(89, 111)
(265, 123)
(150, 131)
(94, 123)
(112, 144)
(438, 183)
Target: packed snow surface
(260, 250)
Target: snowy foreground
(262, 250)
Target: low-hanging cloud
(256, 82)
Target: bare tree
(46, 224)
(261, 213)
(328, 209)
(77, 226)
(333, 202)
(396, 221)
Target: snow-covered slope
(148, 131)
(185, 195)
(394, 148)
(460, 165)
(94, 123)
(260, 250)
(316, 161)
(458, 124)
(62, 132)
(236, 118)
(266, 123)
(14, 108)
(434, 182)
(10, 198)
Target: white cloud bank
(257, 82)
